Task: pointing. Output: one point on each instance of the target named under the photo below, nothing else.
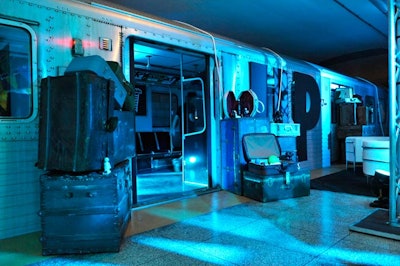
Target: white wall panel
(19, 188)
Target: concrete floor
(221, 228)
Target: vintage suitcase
(78, 126)
(265, 188)
(97, 65)
(85, 213)
(264, 180)
(259, 150)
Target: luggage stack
(85, 213)
(269, 175)
(86, 145)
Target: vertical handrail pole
(392, 92)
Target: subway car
(192, 96)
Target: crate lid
(260, 146)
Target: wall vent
(105, 44)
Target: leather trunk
(265, 188)
(78, 126)
(85, 213)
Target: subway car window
(15, 73)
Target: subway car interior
(178, 122)
(199, 132)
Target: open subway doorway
(171, 122)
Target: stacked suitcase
(264, 180)
(85, 213)
(86, 145)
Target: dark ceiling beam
(381, 5)
(384, 34)
(353, 56)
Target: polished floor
(221, 228)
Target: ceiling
(333, 33)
